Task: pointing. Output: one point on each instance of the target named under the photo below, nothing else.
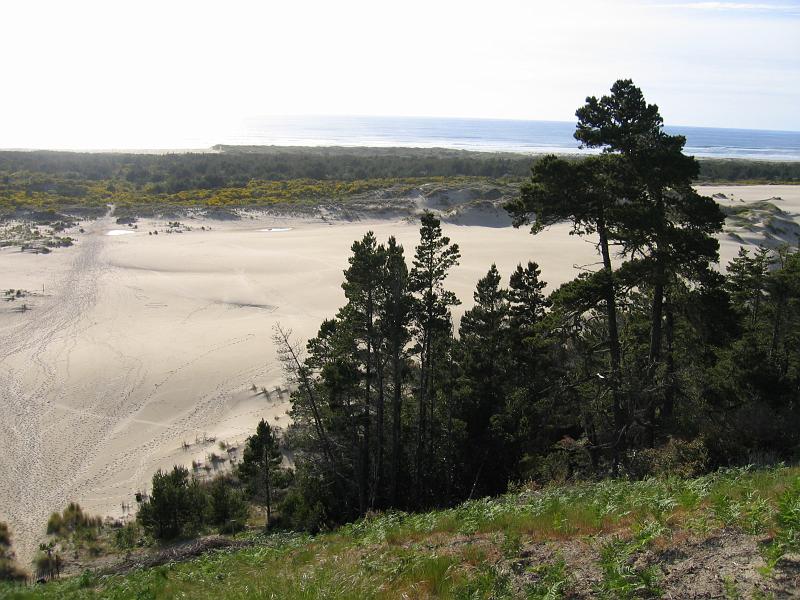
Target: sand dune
(141, 343)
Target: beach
(137, 351)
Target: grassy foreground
(612, 539)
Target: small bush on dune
(5, 536)
(176, 507)
(180, 506)
(8, 570)
(48, 562)
(228, 508)
(72, 520)
(126, 537)
(677, 457)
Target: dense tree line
(652, 363)
(236, 167)
(171, 173)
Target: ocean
(491, 135)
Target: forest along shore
(134, 351)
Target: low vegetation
(35, 237)
(46, 185)
(9, 571)
(181, 506)
(608, 539)
(44, 196)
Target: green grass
(472, 551)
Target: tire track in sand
(53, 434)
(29, 390)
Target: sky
(151, 74)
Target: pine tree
(227, 506)
(433, 259)
(587, 194)
(746, 282)
(483, 336)
(666, 220)
(527, 301)
(395, 316)
(364, 289)
(177, 505)
(527, 309)
(260, 460)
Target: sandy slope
(141, 343)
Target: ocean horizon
(483, 135)
(493, 135)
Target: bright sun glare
(146, 74)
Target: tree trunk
(431, 407)
(356, 448)
(268, 487)
(451, 462)
(669, 396)
(300, 373)
(656, 315)
(777, 324)
(377, 494)
(396, 413)
(614, 347)
(423, 385)
(363, 488)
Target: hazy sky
(125, 73)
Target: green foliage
(73, 521)
(552, 581)
(787, 520)
(260, 465)
(731, 590)
(46, 196)
(180, 506)
(621, 578)
(177, 505)
(127, 536)
(48, 562)
(5, 536)
(228, 509)
(677, 457)
(8, 569)
(83, 183)
(389, 555)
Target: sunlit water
(493, 135)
